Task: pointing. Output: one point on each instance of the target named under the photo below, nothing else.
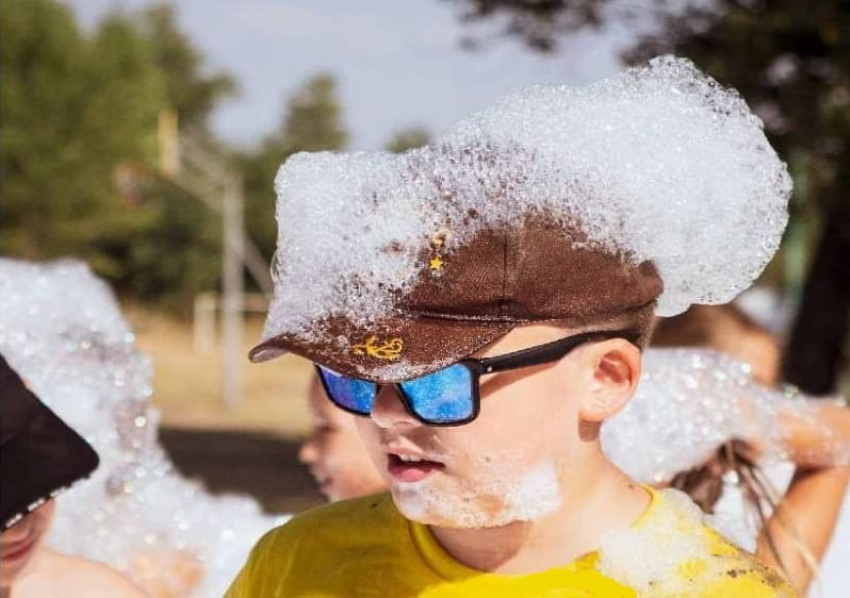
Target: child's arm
(801, 528)
(818, 435)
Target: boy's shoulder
(671, 551)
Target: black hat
(40, 456)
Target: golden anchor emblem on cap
(389, 350)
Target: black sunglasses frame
(537, 355)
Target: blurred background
(143, 137)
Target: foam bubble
(673, 552)
(657, 163)
(691, 401)
(498, 496)
(654, 552)
(62, 330)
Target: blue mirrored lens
(349, 393)
(443, 397)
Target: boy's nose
(308, 454)
(389, 411)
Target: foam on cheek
(499, 495)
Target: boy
(334, 453)
(482, 304)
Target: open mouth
(409, 469)
(322, 481)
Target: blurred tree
(407, 139)
(178, 252)
(312, 121)
(189, 90)
(70, 107)
(790, 59)
(539, 23)
(73, 107)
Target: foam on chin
(497, 497)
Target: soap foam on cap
(657, 163)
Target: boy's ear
(616, 366)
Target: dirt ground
(256, 463)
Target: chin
(535, 495)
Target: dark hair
(710, 326)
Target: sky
(398, 63)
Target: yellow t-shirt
(366, 548)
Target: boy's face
(334, 452)
(20, 543)
(508, 464)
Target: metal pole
(203, 323)
(233, 283)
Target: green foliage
(178, 253)
(70, 107)
(188, 90)
(312, 122)
(539, 23)
(407, 139)
(313, 119)
(73, 107)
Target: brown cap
(469, 296)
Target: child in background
(727, 329)
(803, 506)
(482, 304)
(41, 458)
(334, 452)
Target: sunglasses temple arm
(534, 355)
(548, 352)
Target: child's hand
(817, 436)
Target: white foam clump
(672, 552)
(499, 495)
(62, 330)
(657, 163)
(649, 558)
(689, 402)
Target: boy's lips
(322, 480)
(408, 468)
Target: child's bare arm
(819, 436)
(801, 528)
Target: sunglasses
(451, 396)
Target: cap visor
(393, 350)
